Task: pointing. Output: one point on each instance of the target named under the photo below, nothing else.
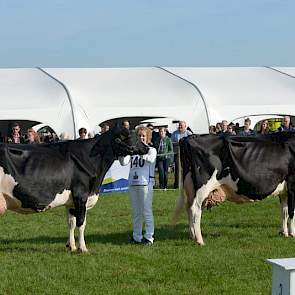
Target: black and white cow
(35, 178)
(239, 169)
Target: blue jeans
(163, 172)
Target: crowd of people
(15, 135)
(225, 128)
(165, 143)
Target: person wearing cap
(15, 135)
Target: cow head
(121, 141)
(124, 143)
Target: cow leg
(196, 215)
(3, 204)
(71, 244)
(291, 200)
(90, 204)
(196, 211)
(79, 200)
(284, 215)
(292, 227)
(82, 245)
(190, 195)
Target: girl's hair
(267, 128)
(148, 132)
(36, 135)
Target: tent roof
(29, 94)
(69, 98)
(287, 70)
(107, 93)
(231, 93)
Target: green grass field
(239, 238)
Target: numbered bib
(139, 171)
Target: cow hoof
(292, 235)
(200, 243)
(82, 250)
(72, 249)
(285, 234)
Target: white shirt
(142, 168)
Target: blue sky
(147, 33)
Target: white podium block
(283, 276)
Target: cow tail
(181, 199)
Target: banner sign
(116, 179)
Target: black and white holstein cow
(239, 169)
(35, 178)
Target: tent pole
(68, 95)
(195, 86)
(271, 68)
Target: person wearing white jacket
(141, 181)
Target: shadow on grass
(162, 233)
(244, 225)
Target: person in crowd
(52, 137)
(175, 137)
(224, 125)
(155, 134)
(212, 129)
(286, 124)
(15, 135)
(105, 128)
(91, 134)
(264, 128)
(64, 136)
(218, 128)
(141, 181)
(164, 147)
(230, 130)
(32, 136)
(247, 131)
(126, 124)
(82, 133)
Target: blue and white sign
(116, 179)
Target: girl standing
(141, 181)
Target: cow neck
(104, 158)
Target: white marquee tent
(232, 93)
(69, 98)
